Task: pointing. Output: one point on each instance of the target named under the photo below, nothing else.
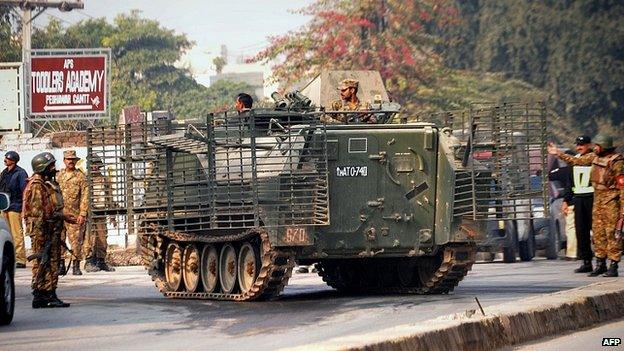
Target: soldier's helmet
(13, 156)
(604, 140)
(40, 162)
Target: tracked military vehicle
(224, 208)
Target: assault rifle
(44, 257)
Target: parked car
(7, 267)
(522, 236)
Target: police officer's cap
(583, 139)
(13, 156)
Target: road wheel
(190, 270)
(349, 276)
(209, 268)
(387, 274)
(173, 267)
(227, 268)
(427, 268)
(248, 266)
(406, 273)
(7, 292)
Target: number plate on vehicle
(296, 236)
(352, 171)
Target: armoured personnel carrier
(224, 208)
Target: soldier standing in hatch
(607, 177)
(95, 243)
(43, 213)
(349, 102)
(75, 192)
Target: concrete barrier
(506, 324)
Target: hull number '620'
(296, 235)
(352, 171)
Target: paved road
(122, 310)
(588, 339)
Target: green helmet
(40, 162)
(604, 140)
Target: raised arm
(583, 160)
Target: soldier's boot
(612, 271)
(76, 268)
(40, 300)
(62, 268)
(601, 267)
(586, 267)
(103, 266)
(54, 301)
(91, 266)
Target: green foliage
(461, 89)
(10, 48)
(390, 36)
(144, 71)
(219, 63)
(574, 50)
(197, 103)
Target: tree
(571, 49)
(393, 37)
(10, 48)
(144, 70)
(221, 95)
(219, 63)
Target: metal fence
(503, 153)
(232, 172)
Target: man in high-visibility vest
(583, 199)
(607, 178)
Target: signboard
(72, 84)
(10, 90)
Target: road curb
(506, 324)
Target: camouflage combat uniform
(95, 243)
(607, 200)
(340, 105)
(75, 192)
(43, 214)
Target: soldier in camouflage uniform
(95, 243)
(607, 176)
(43, 213)
(75, 192)
(349, 102)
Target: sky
(242, 25)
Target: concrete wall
(28, 147)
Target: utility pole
(27, 7)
